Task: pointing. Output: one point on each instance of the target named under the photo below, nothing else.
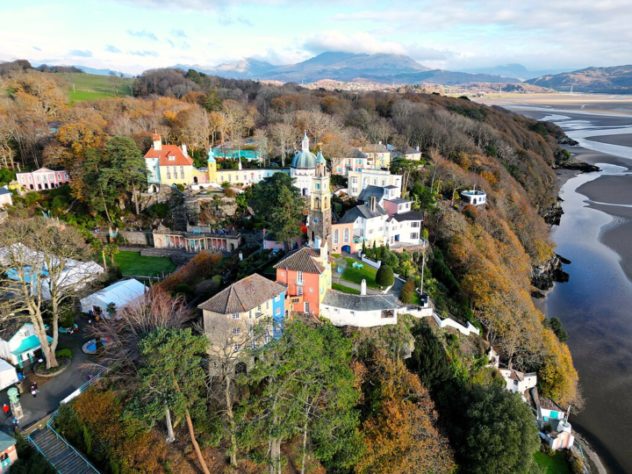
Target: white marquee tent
(120, 293)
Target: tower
(212, 167)
(319, 220)
(157, 141)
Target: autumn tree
(40, 264)
(400, 432)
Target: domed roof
(304, 159)
(320, 159)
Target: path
(54, 390)
(61, 455)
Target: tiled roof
(243, 295)
(303, 260)
(369, 191)
(375, 148)
(363, 211)
(409, 216)
(338, 299)
(165, 152)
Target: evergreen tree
(384, 276)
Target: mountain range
(342, 66)
(608, 80)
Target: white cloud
(351, 42)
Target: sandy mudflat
(609, 189)
(621, 140)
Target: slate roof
(375, 148)
(4, 190)
(303, 260)
(169, 150)
(243, 295)
(363, 211)
(409, 216)
(360, 302)
(6, 441)
(370, 191)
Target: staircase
(61, 455)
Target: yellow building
(245, 177)
(168, 165)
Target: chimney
(363, 287)
(373, 203)
(157, 141)
(184, 150)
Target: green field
(82, 87)
(555, 464)
(134, 264)
(344, 289)
(356, 275)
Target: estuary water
(595, 305)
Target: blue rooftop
(28, 344)
(231, 153)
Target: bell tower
(319, 220)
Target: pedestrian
(6, 410)
(16, 424)
(34, 389)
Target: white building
(8, 375)
(519, 382)
(42, 179)
(475, 197)
(18, 342)
(303, 167)
(359, 180)
(120, 294)
(6, 197)
(362, 310)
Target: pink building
(42, 179)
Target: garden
(134, 264)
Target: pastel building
(234, 316)
(356, 162)
(519, 382)
(8, 452)
(6, 197)
(244, 177)
(378, 155)
(168, 165)
(19, 343)
(360, 180)
(42, 179)
(306, 273)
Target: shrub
(64, 353)
(407, 295)
(384, 276)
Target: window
(299, 290)
(235, 315)
(172, 158)
(236, 347)
(299, 278)
(236, 331)
(415, 224)
(414, 236)
(346, 235)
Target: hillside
(607, 80)
(84, 86)
(342, 66)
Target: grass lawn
(555, 464)
(133, 263)
(356, 275)
(344, 289)
(82, 87)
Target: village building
(553, 425)
(250, 311)
(168, 165)
(303, 167)
(8, 375)
(408, 153)
(378, 156)
(42, 179)
(361, 310)
(19, 343)
(355, 162)
(475, 197)
(114, 297)
(307, 275)
(8, 452)
(360, 180)
(195, 240)
(242, 177)
(6, 197)
(519, 382)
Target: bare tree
(39, 259)
(284, 136)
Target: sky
(134, 35)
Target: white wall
(361, 319)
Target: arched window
(317, 202)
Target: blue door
(346, 248)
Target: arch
(195, 180)
(316, 202)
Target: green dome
(304, 159)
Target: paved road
(53, 390)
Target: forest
(410, 398)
